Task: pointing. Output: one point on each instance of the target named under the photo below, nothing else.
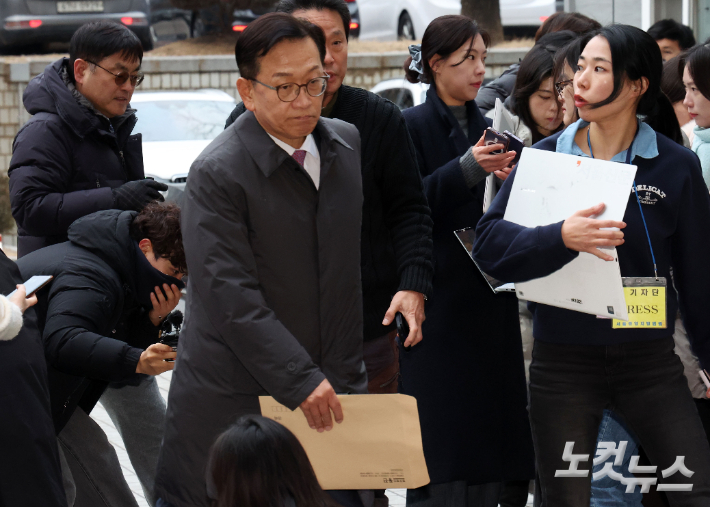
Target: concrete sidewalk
(397, 496)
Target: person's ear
(644, 85)
(435, 63)
(246, 91)
(146, 246)
(639, 86)
(81, 67)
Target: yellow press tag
(645, 303)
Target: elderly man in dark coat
(396, 245)
(273, 209)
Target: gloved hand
(134, 195)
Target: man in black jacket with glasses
(78, 155)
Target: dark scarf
(146, 278)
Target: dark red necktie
(299, 156)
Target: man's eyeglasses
(561, 85)
(289, 92)
(122, 77)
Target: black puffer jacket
(94, 314)
(66, 160)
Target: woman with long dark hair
(534, 99)
(502, 87)
(533, 104)
(672, 86)
(605, 490)
(581, 365)
(694, 66)
(257, 462)
(467, 375)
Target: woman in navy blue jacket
(467, 374)
(580, 364)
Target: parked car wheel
(405, 27)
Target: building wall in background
(643, 13)
(195, 72)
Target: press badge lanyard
(645, 298)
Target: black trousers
(570, 385)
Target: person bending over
(115, 281)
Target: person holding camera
(468, 376)
(115, 281)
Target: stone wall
(195, 72)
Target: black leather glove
(134, 195)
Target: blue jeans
(606, 492)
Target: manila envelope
(377, 446)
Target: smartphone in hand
(34, 284)
(402, 330)
(492, 137)
(516, 145)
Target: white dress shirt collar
(312, 162)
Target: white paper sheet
(549, 187)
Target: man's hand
(584, 234)
(318, 405)
(161, 306)
(491, 162)
(411, 305)
(134, 195)
(152, 361)
(18, 299)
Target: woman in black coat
(467, 374)
(29, 461)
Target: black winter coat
(396, 250)
(275, 302)
(94, 314)
(29, 462)
(65, 161)
(467, 374)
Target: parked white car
(401, 19)
(400, 91)
(528, 12)
(176, 127)
(407, 19)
